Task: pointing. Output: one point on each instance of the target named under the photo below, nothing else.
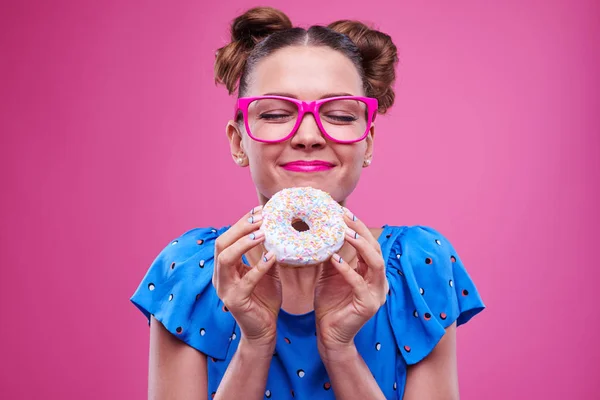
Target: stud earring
(240, 160)
(367, 163)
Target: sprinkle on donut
(317, 209)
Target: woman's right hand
(252, 294)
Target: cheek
(353, 155)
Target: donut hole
(299, 225)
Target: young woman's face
(306, 73)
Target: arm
(436, 376)
(178, 371)
(246, 375)
(350, 376)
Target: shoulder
(418, 244)
(177, 290)
(430, 288)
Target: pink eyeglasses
(273, 119)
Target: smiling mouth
(307, 166)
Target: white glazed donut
(317, 209)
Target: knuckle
(222, 259)
(218, 245)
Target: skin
(344, 293)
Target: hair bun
(380, 57)
(247, 30)
(258, 23)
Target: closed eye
(274, 116)
(340, 118)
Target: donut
(323, 216)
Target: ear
(370, 139)
(234, 135)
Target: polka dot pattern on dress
(416, 259)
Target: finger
(232, 254)
(371, 257)
(356, 282)
(358, 226)
(242, 227)
(254, 275)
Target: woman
(378, 319)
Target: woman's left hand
(346, 296)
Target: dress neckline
(383, 236)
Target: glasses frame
(307, 107)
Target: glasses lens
(344, 119)
(272, 119)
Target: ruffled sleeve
(430, 289)
(177, 290)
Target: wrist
(339, 353)
(259, 350)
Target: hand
(346, 298)
(252, 295)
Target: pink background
(112, 132)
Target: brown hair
(261, 31)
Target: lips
(307, 166)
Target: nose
(308, 135)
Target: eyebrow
(283, 94)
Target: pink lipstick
(307, 166)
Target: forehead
(307, 72)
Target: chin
(268, 186)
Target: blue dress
(429, 290)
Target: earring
(240, 160)
(367, 163)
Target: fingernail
(337, 258)
(351, 233)
(267, 257)
(254, 218)
(255, 210)
(350, 215)
(256, 235)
